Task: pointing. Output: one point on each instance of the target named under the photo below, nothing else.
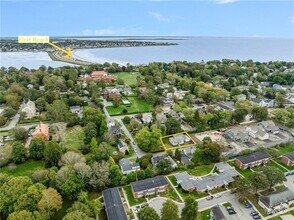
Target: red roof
(98, 73)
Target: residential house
(76, 109)
(288, 159)
(251, 160)
(127, 166)
(179, 139)
(113, 204)
(269, 103)
(227, 105)
(290, 97)
(161, 117)
(149, 186)
(238, 134)
(29, 109)
(187, 154)
(219, 212)
(97, 76)
(277, 201)
(226, 175)
(41, 131)
(257, 132)
(241, 97)
(156, 159)
(269, 126)
(167, 101)
(163, 86)
(122, 146)
(279, 87)
(147, 118)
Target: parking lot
(156, 203)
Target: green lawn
(245, 172)
(194, 195)
(254, 199)
(286, 149)
(137, 105)
(25, 169)
(133, 201)
(227, 204)
(200, 170)
(204, 215)
(128, 78)
(173, 180)
(171, 194)
(278, 160)
(271, 164)
(279, 218)
(73, 138)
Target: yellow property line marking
(182, 146)
(67, 52)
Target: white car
(217, 196)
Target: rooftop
(113, 205)
(149, 183)
(256, 156)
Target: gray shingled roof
(256, 156)
(127, 165)
(219, 212)
(277, 197)
(225, 177)
(113, 205)
(149, 183)
(290, 156)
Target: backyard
(137, 106)
(271, 164)
(25, 169)
(200, 170)
(287, 148)
(128, 78)
(171, 194)
(194, 195)
(73, 138)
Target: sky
(233, 18)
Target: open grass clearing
(194, 195)
(204, 215)
(25, 169)
(73, 138)
(173, 180)
(136, 106)
(201, 170)
(128, 78)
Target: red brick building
(252, 160)
(41, 131)
(288, 159)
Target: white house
(257, 132)
(29, 109)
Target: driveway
(12, 123)
(157, 202)
(242, 212)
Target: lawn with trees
(128, 78)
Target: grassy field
(194, 195)
(171, 194)
(73, 138)
(128, 78)
(25, 169)
(133, 201)
(204, 215)
(286, 149)
(243, 172)
(200, 170)
(271, 164)
(137, 105)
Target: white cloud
(111, 31)
(225, 1)
(292, 19)
(159, 17)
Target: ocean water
(31, 60)
(192, 49)
(197, 49)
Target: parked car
(290, 173)
(217, 196)
(209, 198)
(231, 211)
(256, 217)
(254, 213)
(248, 205)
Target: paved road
(157, 202)
(242, 212)
(12, 124)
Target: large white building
(29, 109)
